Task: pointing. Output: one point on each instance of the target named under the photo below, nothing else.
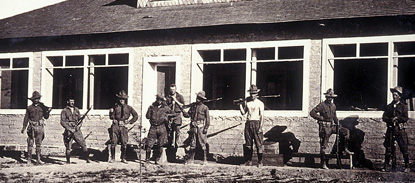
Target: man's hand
(204, 131)
(112, 110)
(72, 130)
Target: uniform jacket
(69, 119)
(401, 111)
(199, 112)
(35, 113)
(127, 112)
(169, 101)
(157, 114)
(326, 112)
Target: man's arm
(135, 115)
(314, 111)
(261, 116)
(25, 121)
(403, 117)
(149, 112)
(112, 113)
(242, 108)
(207, 120)
(64, 120)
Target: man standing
(254, 108)
(157, 113)
(69, 120)
(327, 121)
(35, 116)
(175, 101)
(200, 121)
(395, 116)
(120, 115)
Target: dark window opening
(67, 83)
(14, 89)
(265, 53)
(406, 79)
(284, 79)
(234, 55)
(226, 81)
(405, 48)
(56, 61)
(210, 55)
(4, 63)
(74, 61)
(20, 62)
(346, 50)
(296, 52)
(108, 82)
(374, 49)
(360, 84)
(97, 59)
(117, 59)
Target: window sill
(227, 113)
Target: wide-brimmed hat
(201, 94)
(397, 89)
(330, 93)
(35, 95)
(253, 89)
(160, 96)
(122, 95)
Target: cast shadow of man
(288, 143)
(357, 137)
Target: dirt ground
(55, 170)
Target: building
(297, 49)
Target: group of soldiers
(395, 116)
(165, 116)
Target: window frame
(392, 72)
(11, 56)
(86, 53)
(197, 66)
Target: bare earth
(55, 170)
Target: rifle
(339, 161)
(194, 103)
(240, 101)
(392, 138)
(81, 119)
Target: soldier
(69, 120)
(120, 114)
(35, 116)
(395, 116)
(200, 121)
(253, 126)
(327, 121)
(157, 113)
(175, 101)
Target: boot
(68, 156)
(112, 155)
(385, 167)
(346, 150)
(204, 157)
(406, 159)
(148, 154)
(260, 160)
(248, 157)
(323, 161)
(38, 150)
(191, 157)
(29, 155)
(157, 161)
(123, 155)
(86, 154)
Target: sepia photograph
(207, 91)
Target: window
(14, 81)
(362, 70)
(91, 78)
(227, 70)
